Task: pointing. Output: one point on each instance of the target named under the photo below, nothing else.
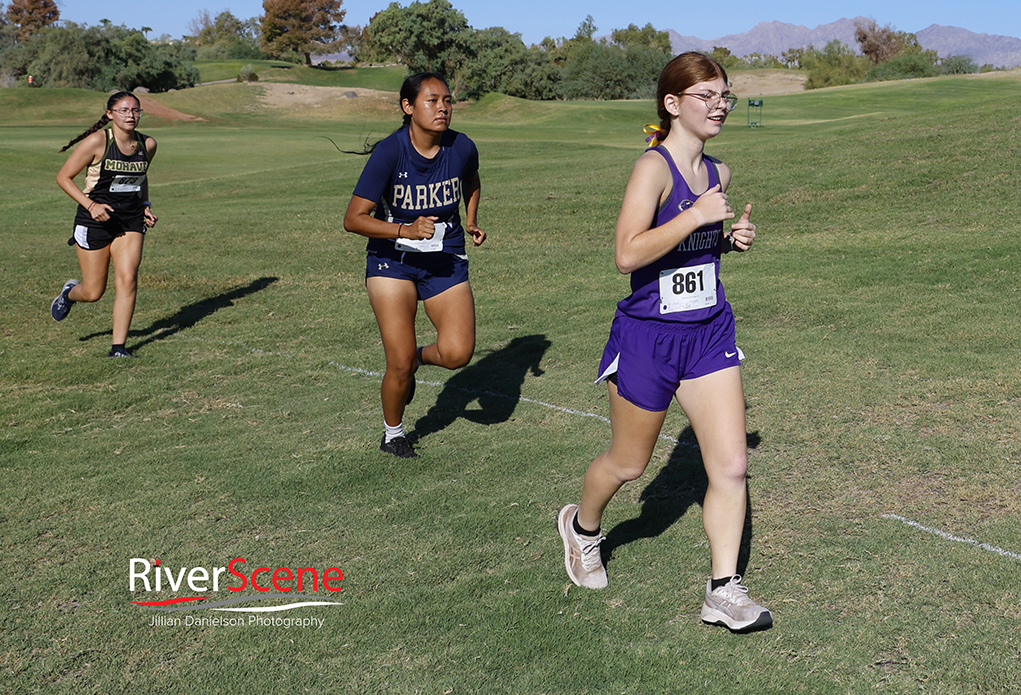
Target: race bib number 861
(687, 289)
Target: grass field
(219, 70)
(385, 78)
(878, 311)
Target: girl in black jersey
(113, 212)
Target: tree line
(104, 57)
(35, 44)
(424, 36)
(428, 36)
(885, 54)
(435, 37)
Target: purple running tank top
(684, 285)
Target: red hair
(681, 73)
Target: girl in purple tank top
(673, 337)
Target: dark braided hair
(410, 90)
(110, 103)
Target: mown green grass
(384, 78)
(388, 79)
(219, 70)
(49, 106)
(878, 312)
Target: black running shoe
(120, 352)
(61, 306)
(398, 446)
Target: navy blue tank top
(405, 186)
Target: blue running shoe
(61, 306)
(120, 352)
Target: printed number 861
(688, 283)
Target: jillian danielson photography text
(236, 621)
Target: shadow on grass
(681, 483)
(188, 316)
(494, 381)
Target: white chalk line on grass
(950, 537)
(571, 411)
(520, 399)
(367, 372)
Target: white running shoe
(582, 557)
(730, 605)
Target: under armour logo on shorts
(384, 265)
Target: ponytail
(410, 89)
(656, 133)
(98, 125)
(110, 103)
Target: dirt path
(763, 83)
(305, 99)
(154, 108)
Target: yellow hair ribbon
(655, 133)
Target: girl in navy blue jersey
(673, 337)
(113, 212)
(407, 201)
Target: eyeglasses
(125, 112)
(712, 99)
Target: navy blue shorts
(651, 358)
(432, 273)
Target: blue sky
(535, 19)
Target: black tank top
(118, 179)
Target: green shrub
(958, 65)
(835, 65)
(248, 74)
(905, 67)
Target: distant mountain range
(773, 38)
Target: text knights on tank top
(684, 285)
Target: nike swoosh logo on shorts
(728, 355)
